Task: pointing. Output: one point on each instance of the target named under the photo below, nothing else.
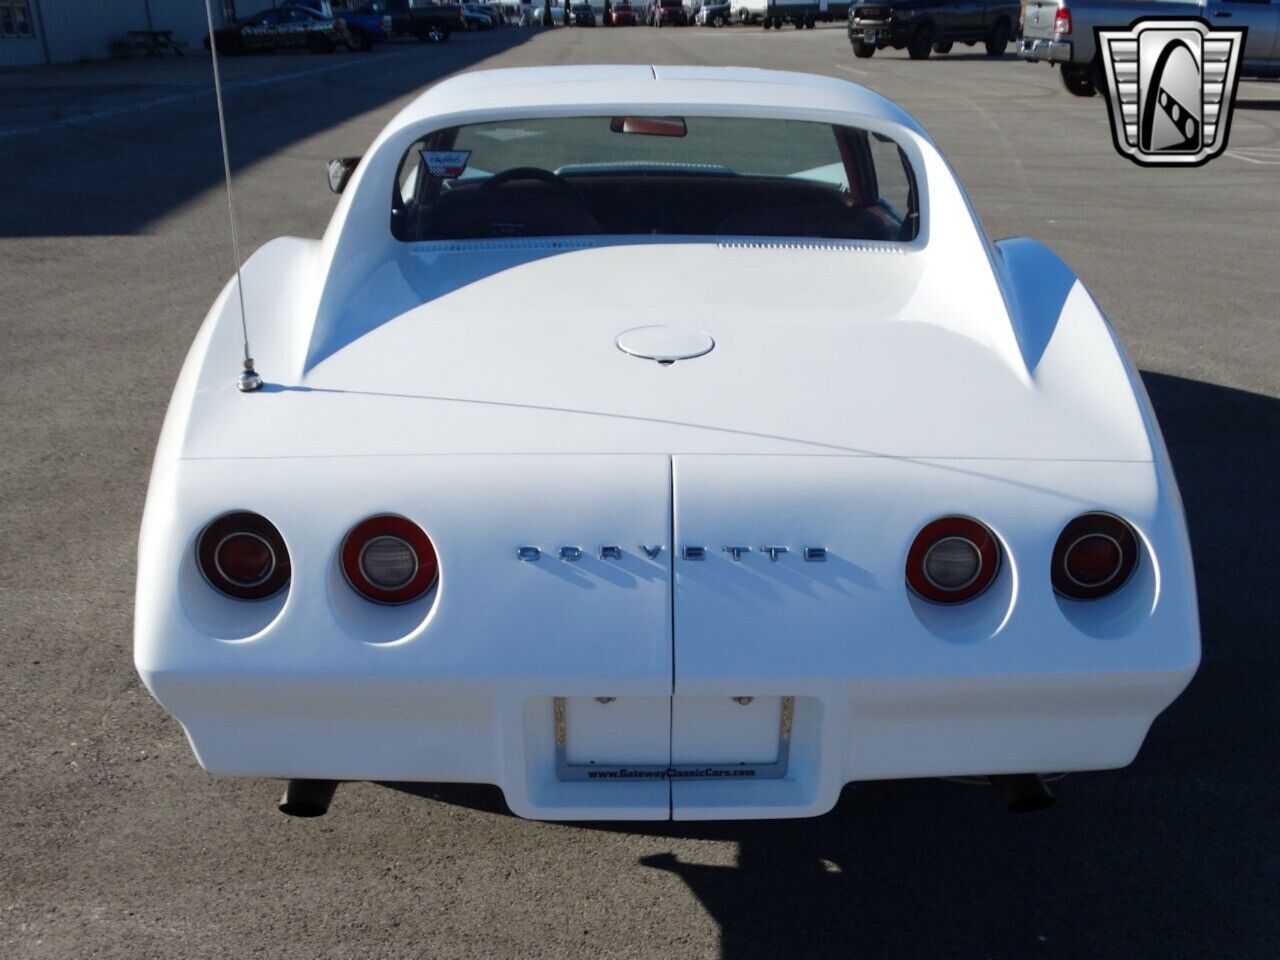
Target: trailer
(774, 13)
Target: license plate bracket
(576, 772)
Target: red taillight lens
(953, 559)
(243, 556)
(1095, 555)
(389, 559)
(1062, 22)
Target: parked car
(476, 17)
(931, 26)
(667, 13)
(622, 14)
(509, 520)
(758, 11)
(429, 22)
(584, 15)
(714, 14)
(550, 16)
(281, 29)
(1061, 32)
(366, 24)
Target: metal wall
(70, 30)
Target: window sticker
(446, 163)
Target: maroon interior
(671, 204)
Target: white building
(36, 32)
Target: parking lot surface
(113, 843)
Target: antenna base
(248, 381)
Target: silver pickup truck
(1061, 32)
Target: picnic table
(154, 42)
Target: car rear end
(631, 587)
(671, 12)
(1047, 33)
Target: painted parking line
(229, 87)
(1264, 156)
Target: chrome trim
(736, 552)
(695, 553)
(774, 552)
(529, 554)
(924, 564)
(571, 554)
(230, 579)
(815, 554)
(610, 553)
(1041, 48)
(1101, 583)
(387, 536)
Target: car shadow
(1174, 856)
(958, 54)
(112, 150)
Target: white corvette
(661, 442)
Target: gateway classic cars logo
(1170, 87)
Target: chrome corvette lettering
(693, 552)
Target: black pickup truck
(931, 26)
(429, 22)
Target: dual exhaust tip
(307, 798)
(1022, 792)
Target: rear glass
(647, 175)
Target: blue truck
(367, 23)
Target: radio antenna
(248, 380)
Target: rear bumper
(1039, 48)
(397, 727)
(882, 34)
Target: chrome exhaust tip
(1023, 792)
(307, 798)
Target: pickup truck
(429, 22)
(366, 24)
(1060, 32)
(931, 26)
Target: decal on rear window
(446, 163)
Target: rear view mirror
(650, 126)
(340, 170)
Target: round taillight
(243, 556)
(952, 559)
(1095, 555)
(389, 559)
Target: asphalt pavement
(113, 842)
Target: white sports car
(661, 442)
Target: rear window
(659, 176)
